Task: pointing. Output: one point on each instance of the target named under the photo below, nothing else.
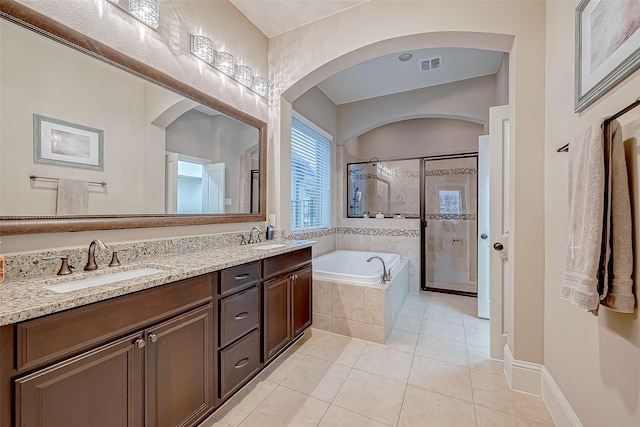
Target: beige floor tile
(425, 408)
(280, 368)
(477, 337)
(445, 315)
(371, 396)
(442, 330)
(480, 361)
(441, 377)
(317, 378)
(310, 339)
(244, 402)
(442, 350)
(338, 417)
(402, 341)
(475, 322)
(339, 349)
(380, 360)
(285, 407)
(408, 323)
(212, 421)
(491, 418)
(492, 391)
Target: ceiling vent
(431, 63)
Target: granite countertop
(26, 299)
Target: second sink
(270, 246)
(103, 279)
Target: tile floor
(433, 371)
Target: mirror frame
(19, 14)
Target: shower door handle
(498, 246)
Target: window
(310, 176)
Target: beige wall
(594, 360)
(301, 58)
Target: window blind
(310, 177)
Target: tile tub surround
(26, 297)
(360, 311)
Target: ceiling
(380, 76)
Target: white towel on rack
(586, 204)
(618, 285)
(73, 197)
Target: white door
(171, 184)
(213, 188)
(498, 226)
(484, 250)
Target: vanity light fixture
(260, 86)
(225, 62)
(244, 75)
(145, 11)
(202, 47)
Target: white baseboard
(558, 406)
(533, 378)
(525, 377)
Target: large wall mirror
(145, 149)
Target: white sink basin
(105, 279)
(270, 246)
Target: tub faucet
(386, 275)
(258, 239)
(91, 259)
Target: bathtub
(349, 298)
(352, 266)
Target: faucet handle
(114, 260)
(64, 268)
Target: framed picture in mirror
(62, 143)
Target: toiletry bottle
(269, 232)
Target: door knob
(498, 246)
(153, 337)
(484, 236)
(139, 343)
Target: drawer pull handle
(242, 315)
(242, 276)
(242, 363)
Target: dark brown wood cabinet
(287, 300)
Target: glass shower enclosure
(450, 224)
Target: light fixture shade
(147, 11)
(202, 47)
(225, 62)
(244, 75)
(259, 86)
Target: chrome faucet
(91, 260)
(258, 239)
(386, 275)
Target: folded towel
(586, 204)
(73, 197)
(617, 293)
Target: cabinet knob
(153, 337)
(294, 276)
(498, 246)
(140, 343)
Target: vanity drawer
(238, 362)
(59, 335)
(285, 262)
(239, 313)
(237, 277)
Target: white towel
(73, 197)
(586, 204)
(618, 285)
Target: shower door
(450, 224)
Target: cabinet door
(301, 300)
(180, 372)
(102, 387)
(277, 326)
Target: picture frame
(607, 47)
(61, 143)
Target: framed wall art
(607, 47)
(62, 143)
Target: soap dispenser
(269, 232)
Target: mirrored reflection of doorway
(450, 224)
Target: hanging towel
(617, 292)
(586, 204)
(73, 197)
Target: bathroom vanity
(164, 356)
